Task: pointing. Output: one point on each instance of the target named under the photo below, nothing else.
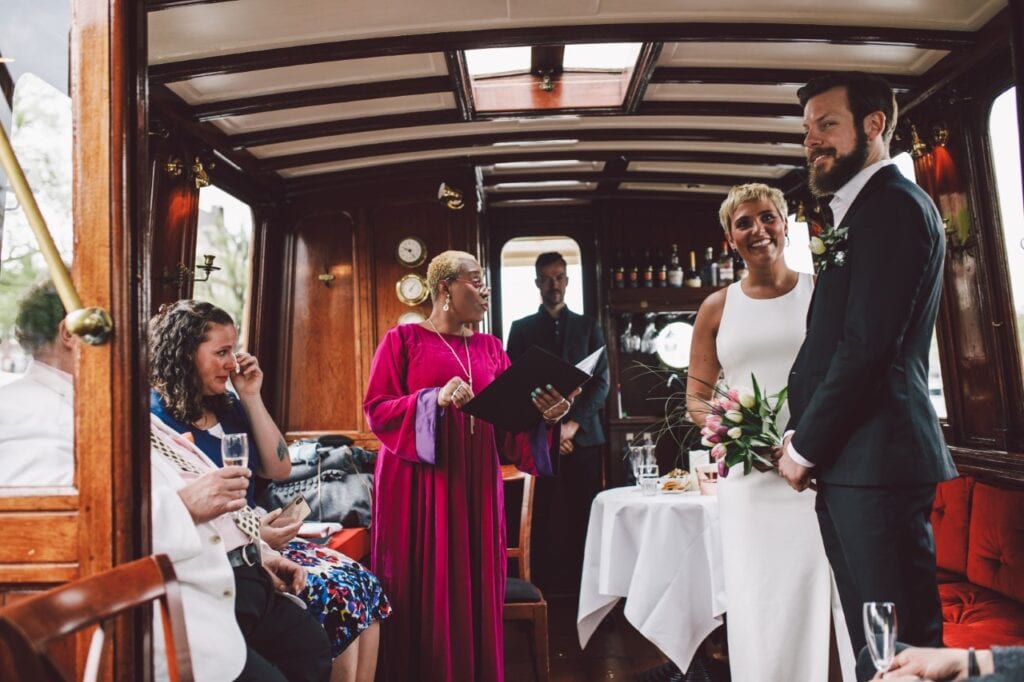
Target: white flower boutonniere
(828, 247)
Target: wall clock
(412, 289)
(411, 251)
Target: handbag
(334, 481)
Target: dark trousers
(285, 642)
(879, 543)
(560, 519)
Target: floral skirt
(345, 597)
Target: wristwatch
(972, 663)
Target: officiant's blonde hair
(752, 191)
(446, 266)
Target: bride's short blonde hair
(446, 266)
(753, 191)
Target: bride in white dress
(780, 595)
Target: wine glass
(234, 449)
(880, 631)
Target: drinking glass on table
(234, 449)
(636, 460)
(880, 630)
(649, 479)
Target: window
(41, 137)
(1006, 162)
(225, 230)
(519, 294)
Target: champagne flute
(234, 449)
(880, 631)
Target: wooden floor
(615, 652)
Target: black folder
(506, 402)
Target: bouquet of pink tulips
(740, 427)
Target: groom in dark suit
(862, 423)
(563, 504)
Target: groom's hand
(798, 476)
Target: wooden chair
(523, 601)
(29, 626)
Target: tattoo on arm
(282, 450)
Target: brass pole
(94, 325)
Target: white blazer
(207, 579)
(37, 425)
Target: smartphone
(296, 510)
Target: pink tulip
(712, 422)
(734, 395)
(718, 452)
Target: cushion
(352, 542)
(996, 540)
(978, 617)
(950, 519)
(520, 592)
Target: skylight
(495, 61)
(601, 56)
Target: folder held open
(506, 402)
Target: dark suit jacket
(858, 389)
(581, 337)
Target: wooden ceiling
(303, 95)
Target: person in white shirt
(37, 410)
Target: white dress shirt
(840, 205)
(37, 427)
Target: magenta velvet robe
(438, 535)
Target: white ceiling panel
(544, 186)
(556, 127)
(307, 76)
(511, 170)
(674, 187)
(740, 171)
(722, 92)
(892, 59)
(569, 149)
(206, 30)
(334, 112)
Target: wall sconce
(174, 167)
(450, 197)
(917, 146)
(326, 277)
(199, 174)
(801, 212)
(547, 81)
(182, 273)
(940, 135)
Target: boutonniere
(828, 247)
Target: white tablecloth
(664, 555)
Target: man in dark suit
(562, 505)
(862, 423)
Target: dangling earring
(447, 301)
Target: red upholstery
(996, 540)
(979, 550)
(950, 517)
(352, 542)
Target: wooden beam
(641, 78)
(610, 176)
(294, 99)
(344, 127)
(547, 58)
(489, 139)
(559, 35)
(460, 82)
(749, 76)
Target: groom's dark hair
(865, 93)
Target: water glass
(234, 449)
(648, 479)
(880, 631)
(636, 460)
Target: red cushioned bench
(352, 542)
(979, 551)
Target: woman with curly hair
(192, 357)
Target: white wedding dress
(778, 584)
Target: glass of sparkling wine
(234, 449)
(880, 630)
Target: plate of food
(675, 482)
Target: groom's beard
(824, 183)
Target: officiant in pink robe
(438, 534)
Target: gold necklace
(469, 360)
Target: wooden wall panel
(321, 365)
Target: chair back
(521, 551)
(30, 625)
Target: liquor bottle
(709, 269)
(648, 274)
(725, 273)
(633, 272)
(739, 268)
(675, 269)
(618, 272)
(661, 273)
(692, 278)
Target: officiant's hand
(551, 404)
(456, 392)
(798, 476)
(569, 428)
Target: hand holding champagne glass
(880, 631)
(234, 449)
